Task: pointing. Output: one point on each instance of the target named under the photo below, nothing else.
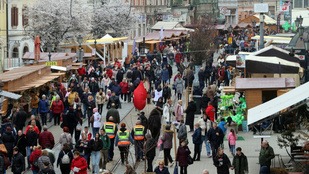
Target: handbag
(160, 145)
(173, 86)
(190, 160)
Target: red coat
(57, 107)
(182, 155)
(118, 64)
(124, 87)
(35, 128)
(109, 73)
(81, 71)
(46, 137)
(178, 58)
(210, 111)
(35, 154)
(81, 163)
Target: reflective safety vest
(138, 132)
(123, 138)
(110, 129)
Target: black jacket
(61, 154)
(94, 87)
(32, 138)
(1, 163)
(85, 150)
(18, 163)
(223, 169)
(113, 99)
(47, 170)
(201, 76)
(8, 141)
(190, 113)
(119, 75)
(151, 148)
(96, 145)
(21, 143)
(213, 138)
(167, 92)
(136, 74)
(20, 119)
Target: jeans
(167, 156)
(103, 158)
(139, 149)
(44, 118)
(95, 159)
(265, 170)
(84, 156)
(202, 85)
(85, 109)
(34, 111)
(95, 130)
(35, 171)
(233, 149)
(29, 151)
(205, 138)
(50, 116)
(111, 150)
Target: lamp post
(95, 34)
(230, 29)
(80, 40)
(49, 49)
(306, 44)
(253, 24)
(155, 13)
(297, 22)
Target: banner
(240, 61)
(284, 7)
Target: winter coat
(57, 107)
(81, 163)
(190, 113)
(117, 138)
(221, 125)
(38, 126)
(96, 120)
(182, 132)
(82, 149)
(167, 92)
(96, 145)
(70, 120)
(168, 113)
(46, 137)
(223, 169)
(47, 170)
(61, 154)
(85, 97)
(240, 164)
(201, 76)
(1, 163)
(178, 57)
(213, 138)
(106, 142)
(266, 154)
(205, 126)
(114, 113)
(31, 138)
(197, 136)
(151, 148)
(164, 74)
(18, 163)
(35, 154)
(179, 112)
(20, 119)
(232, 138)
(8, 140)
(154, 120)
(124, 87)
(100, 99)
(71, 98)
(94, 87)
(101, 84)
(164, 171)
(43, 106)
(65, 138)
(34, 101)
(117, 89)
(41, 161)
(119, 75)
(167, 139)
(182, 155)
(113, 99)
(179, 85)
(21, 143)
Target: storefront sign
(240, 61)
(301, 57)
(51, 63)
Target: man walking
(43, 109)
(240, 162)
(104, 151)
(266, 154)
(46, 137)
(215, 136)
(138, 132)
(111, 130)
(205, 125)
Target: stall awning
(265, 110)
(38, 82)
(10, 95)
(59, 68)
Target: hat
(92, 78)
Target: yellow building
(3, 33)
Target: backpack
(65, 159)
(35, 163)
(129, 74)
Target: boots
(198, 156)
(194, 156)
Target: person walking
(222, 126)
(79, 164)
(46, 137)
(21, 143)
(31, 138)
(182, 155)
(205, 125)
(161, 169)
(104, 151)
(182, 131)
(240, 162)
(215, 135)
(37, 151)
(34, 104)
(266, 154)
(96, 145)
(57, 108)
(65, 158)
(167, 140)
(47, 169)
(100, 99)
(138, 132)
(190, 114)
(18, 162)
(20, 119)
(197, 141)
(124, 90)
(44, 158)
(232, 137)
(96, 121)
(167, 93)
(90, 106)
(43, 109)
(123, 140)
(155, 123)
(222, 162)
(168, 111)
(65, 137)
(111, 130)
(179, 111)
(151, 151)
(179, 87)
(114, 113)
(8, 140)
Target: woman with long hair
(222, 162)
(96, 145)
(232, 137)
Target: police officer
(111, 130)
(123, 140)
(138, 132)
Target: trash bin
(244, 126)
(197, 99)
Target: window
(24, 17)
(14, 16)
(15, 53)
(298, 3)
(26, 49)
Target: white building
(301, 8)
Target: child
(232, 137)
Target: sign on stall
(51, 63)
(301, 57)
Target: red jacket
(210, 111)
(109, 73)
(35, 154)
(46, 137)
(124, 87)
(178, 57)
(118, 64)
(35, 128)
(81, 71)
(81, 163)
(57, 107)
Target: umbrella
(37, 52)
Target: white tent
(272, 107)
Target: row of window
(15, 16)
(301, 3)
(2, 4)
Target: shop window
(268, 95)
(15, 53)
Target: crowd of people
(95, 86)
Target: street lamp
(300, 20)
(155, 13)
(297, 22)
(80, 40)
(49, 49)
(230, 28)
(95, 34)
(301, 31)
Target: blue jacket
(197, 136)
(43, 106)
(221, 125)
(164, 74)
(117, 139)
(116, 89)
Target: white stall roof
(265, 110)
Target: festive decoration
(140, 96)
(286, 26)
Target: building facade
(3, 33)
(301, 8)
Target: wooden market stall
(22, 80)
